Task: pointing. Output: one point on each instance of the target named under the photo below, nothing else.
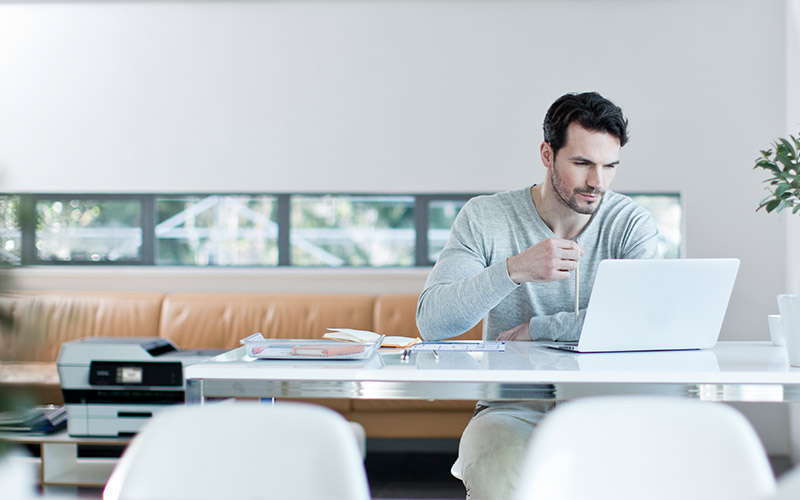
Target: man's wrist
(510, 272)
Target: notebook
(655, 305)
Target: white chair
(241, 450)
(635, 447)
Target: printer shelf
(86, 472)
(60, 464)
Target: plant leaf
(782, 161)
(766, 164)
(783, 158)
(788, 148)
(772, 205)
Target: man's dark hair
(591, 110)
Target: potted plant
(782, 162)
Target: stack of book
(39, 419)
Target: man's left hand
(519, 332)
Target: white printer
(113, 385)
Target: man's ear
(547, 154)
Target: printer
(113, 385)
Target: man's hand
(548, 260)
(519, 332)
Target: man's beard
(570, 199)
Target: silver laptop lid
(644, 304)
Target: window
(88, 230)
(264, 230)
(441, 215)
(668, 214)
(366, 231)
(10, 232)
(216, 230)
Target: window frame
(148, 203)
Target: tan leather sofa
(42, 321)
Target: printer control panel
(136, 373)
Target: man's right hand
(548, 260)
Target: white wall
(396, 96)
(793, 222)
(793, 128)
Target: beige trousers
(493, 447)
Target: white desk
(732, 371)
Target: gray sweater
(470, 280)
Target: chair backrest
(241, 450)
(633, 447)
(788, 485)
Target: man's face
(584, 167)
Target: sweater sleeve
(462, 287)
(559, 326)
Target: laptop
(655, 305)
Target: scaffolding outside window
(360, 231)
(216, 230)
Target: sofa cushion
(221, 320)
(42, 321)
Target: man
(509, 259)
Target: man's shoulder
(615, 204)
(615, 198)
(498, 201)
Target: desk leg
(794, 432)
(194, 392)
(58, 459)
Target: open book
(350, 335)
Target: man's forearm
(559, 326)
(448, 309)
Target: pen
(435, 355)
(577, 289)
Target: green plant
(783, 164)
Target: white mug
(776, 330)
(789, 306)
